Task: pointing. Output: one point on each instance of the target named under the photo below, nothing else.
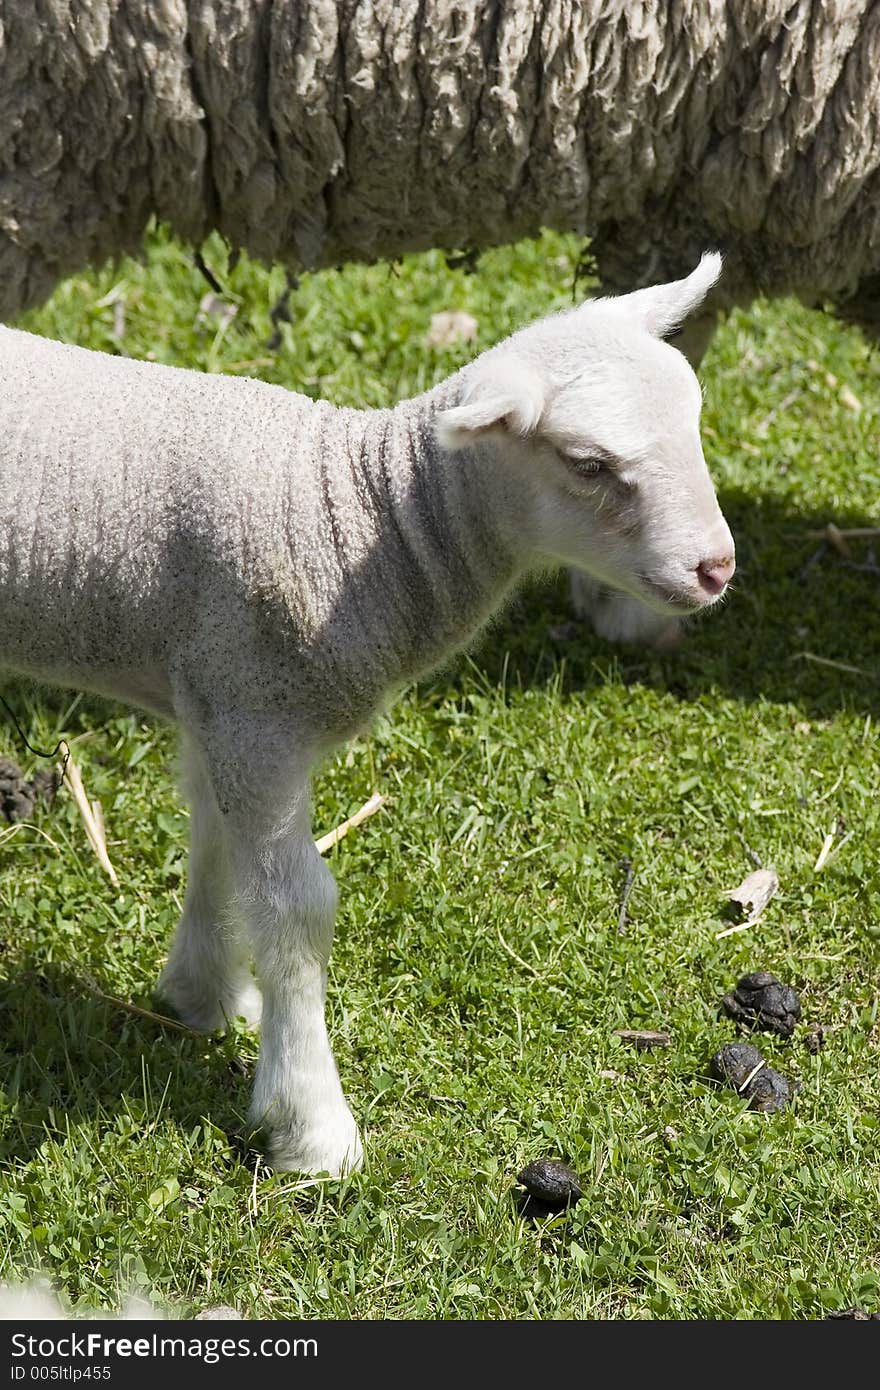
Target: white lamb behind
(265, 569)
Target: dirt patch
(19, 796)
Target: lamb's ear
(662, 308)
(502, 395)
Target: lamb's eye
(585, 465)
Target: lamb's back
(124, 486)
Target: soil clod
(741, 1066)
(856, 1314)
(762, 1001)
(551, 1187)
(814, 1038)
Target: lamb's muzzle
(715, 575)
(265, 569)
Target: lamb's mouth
(674, 600)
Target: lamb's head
(597, 418)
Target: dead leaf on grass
(449, 327)
(751, 897)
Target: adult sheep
(315, 131)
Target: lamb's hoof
(209, 1015)
(334, 1150)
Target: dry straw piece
(853, 533)
(333, 837)
(90, 812)
(136, 1011)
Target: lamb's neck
(448, 535)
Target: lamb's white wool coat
(266, 569)
(38, 1302)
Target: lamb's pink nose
(715, 575)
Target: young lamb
(265, 569)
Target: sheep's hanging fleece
(313, 132)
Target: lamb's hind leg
(208, 981)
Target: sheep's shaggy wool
(315, 131)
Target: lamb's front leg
(208, 981)
(619, 617)
(288, 896)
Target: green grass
(478, 973)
